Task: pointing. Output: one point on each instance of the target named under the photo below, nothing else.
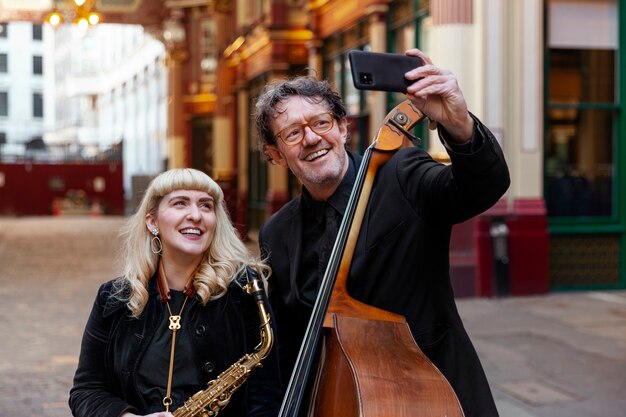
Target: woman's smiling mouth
(191, 231)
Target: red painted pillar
(485, 271)
(528, 247)
(524, 268)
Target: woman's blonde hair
(223, 261)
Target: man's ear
(343, 129)
(276, 155)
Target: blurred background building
(110, 87)
(25, 49)
(542, 74)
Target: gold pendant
(174, 322)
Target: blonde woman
(178, 315)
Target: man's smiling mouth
(316, 154)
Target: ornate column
(174, 38)
(451, 43)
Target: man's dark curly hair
(310, 88)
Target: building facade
(542, 75)
(24, 108)
(111, 96)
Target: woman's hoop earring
(155, 244)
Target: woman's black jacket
(114, 343)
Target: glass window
(4, 63)
(4, 103)
(37, 105)
(582, 76)
(581, 133)
(37, 65)
(582, 109)
(4, 28)
(37, 32)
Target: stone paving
(557, 355)
(50, 269)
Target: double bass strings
(306, 356)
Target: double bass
(368, 362)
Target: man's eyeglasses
(320, 124)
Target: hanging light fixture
(79, 12)
(55, 18)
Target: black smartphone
(381, 71)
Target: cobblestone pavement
(50, 269)
(556, 355)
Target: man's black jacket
(401, 262)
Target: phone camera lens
(365, 78)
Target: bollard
(95, 208)
(56, 207)
(499, 232)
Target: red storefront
(31, 189)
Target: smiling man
(401, 260)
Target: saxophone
(209, 402)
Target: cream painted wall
(452, 47)
(524, 97)
(532, 100)
(498, 61)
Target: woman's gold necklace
(174, 325)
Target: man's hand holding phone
(434, 91)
